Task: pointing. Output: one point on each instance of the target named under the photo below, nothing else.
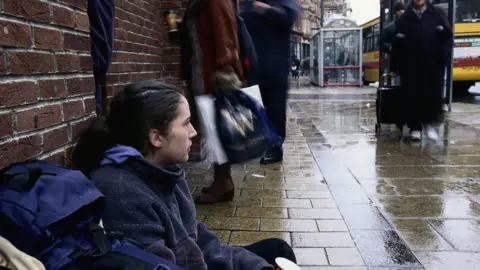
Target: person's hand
(260, 7)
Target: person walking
(269, 23)
(388, 34)
(422, 47)
(210, 62)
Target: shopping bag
(212, 149)
(241, 126)
(254, 92)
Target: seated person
(132, 157)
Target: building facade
(307, 24)
(335, 8)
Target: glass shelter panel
(314, 51)
(341, 57)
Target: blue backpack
(52, 213)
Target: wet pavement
(348, 199)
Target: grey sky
(365, 10)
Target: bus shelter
(337, 54)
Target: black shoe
(273, 155)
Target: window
(467, 10)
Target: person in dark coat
(269, 23)
(210, 62)
(422, 47)
(388, 34)
(134, 156)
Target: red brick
(121, 14)
(17, 93)
(125, 78)
(57, 158)
(63, 16)
(49, 115)
(20, 150)
(78, 86)
(30, 9)
(82, 21)
(30, 62)
(67, 63)
(49, 39)
(6, 125)
(171, 67)
(76, 42)
(120, 34)
(52, 89)
(73, 109)
(38, 118)
(26, 120)
(55, 138)
(15, 34)
(80, 4)
(79, 127)
(86, 63)
(171, 4)
(112, 78)
(90, 105)
(146, 32)
(122, 57)
(170, 59)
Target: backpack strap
(132, 258)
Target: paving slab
(347, 198)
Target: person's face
(419, 3)
(174, 147)
(400, 13)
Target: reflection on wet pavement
(388, 203)
(383, 248)
(419, 235)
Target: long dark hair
(135, 110)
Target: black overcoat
(420, 54)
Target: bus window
(467, 10)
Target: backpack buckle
(100, 241)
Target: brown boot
(222, 188)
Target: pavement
(345, 198)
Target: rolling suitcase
(387, 101)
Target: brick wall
(142, 49)
(46, 83)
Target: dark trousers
(270, 249)
(274, 96)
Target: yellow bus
(371, 51)
(466, 51)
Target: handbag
(212, 148)
(241, 126)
